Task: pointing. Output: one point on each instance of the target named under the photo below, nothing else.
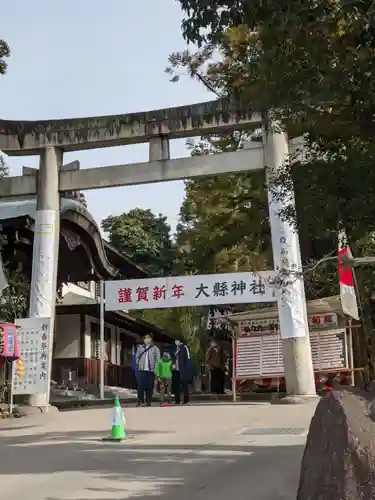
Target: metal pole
(12, 369)
(102, 352)
(45, 252)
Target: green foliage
(4, 171)
(193, 326)
(314, 61)
(223, 219)
(331, 188)
(4, 54)
(147, 240)
(311, 63)
(145, 237)
(14, 299)
(336, 181)
(163, 318)
(188, 323)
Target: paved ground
(195, 452)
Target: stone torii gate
(51, 138)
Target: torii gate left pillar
(46, 251)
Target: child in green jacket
(164, 377)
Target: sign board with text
(189, 291)
(35, 349)
(218, 320)
(264, 326)
(262, 355)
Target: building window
(126, 356)
(94, 336)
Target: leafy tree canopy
(145, 237)
(313, 60)
(14, 299)
(333, 183)
(4, 54)
(4, 171)
(337, 178)
(188, 323)
(223, 219)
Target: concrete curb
(204, 398)
(25, 411)
(295, 400)
(33, 414)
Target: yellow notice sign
(44, 229)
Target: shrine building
(85, 258)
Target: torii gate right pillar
(298, 367)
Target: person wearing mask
(147, 356)
(215, 361)
(182, 372)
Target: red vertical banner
(347, 285)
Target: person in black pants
(217, 380)
(215, 360)
(182, 372)
(147, 356)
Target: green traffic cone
(118, 423)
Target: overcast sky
(72, 59)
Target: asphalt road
(210, 452)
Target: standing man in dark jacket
(182, 372)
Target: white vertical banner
(285, 245)
(42, 292)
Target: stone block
(339, 457)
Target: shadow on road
(132, 404)
(135, 469)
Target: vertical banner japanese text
(34, 341)
(43, 293)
